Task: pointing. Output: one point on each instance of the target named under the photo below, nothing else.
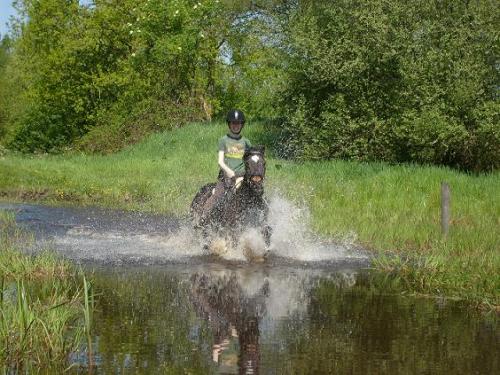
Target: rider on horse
(230, 159)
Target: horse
(242, 207)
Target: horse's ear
(260, 148)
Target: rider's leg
(214, 199)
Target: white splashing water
(110, 246)
(291, 239)
(251, 247)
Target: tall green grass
(393, 210)
(42, 305)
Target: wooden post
(445, 208)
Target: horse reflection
(233, 316)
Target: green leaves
(376, 80)
(393, 81)
(87, 66)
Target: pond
(164, 306)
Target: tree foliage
(372, 80)
(4, 95)
(101, 65)
(395, 81)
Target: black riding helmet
(235, 115)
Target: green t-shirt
(233, 152)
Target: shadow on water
(162, 306)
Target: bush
(108, 65)
(394, 81)
(484, 154)
(430, 137)
(120, 127)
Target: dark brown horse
(242, 207)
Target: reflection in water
(232, 315)
(212, 318)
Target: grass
(42, 306)
(394, 210)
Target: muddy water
(165, 306)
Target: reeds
(87, 312)
(44, 310)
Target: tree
(5, 51)
(108, 65)
(394, 81)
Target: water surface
(163, 305)
(214, 318)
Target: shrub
(394, 81)
(119, 127)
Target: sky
(6, 10)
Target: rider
(230, 158)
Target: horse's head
(255, 168)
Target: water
(165, 306)
(279, 320)
(93, 235)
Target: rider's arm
(229, 172)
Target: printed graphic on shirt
(235, 151)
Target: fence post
(445, 208)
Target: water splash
(106, 236)
(118, 247)
(293, 238)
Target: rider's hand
(238, 182)
(230, 174)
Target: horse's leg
(234, 236)
(266, 232)
(265, 229)
(205, 238)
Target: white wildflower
(133, 54)
(131, 32)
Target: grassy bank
(42, 306)
(393, 210)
